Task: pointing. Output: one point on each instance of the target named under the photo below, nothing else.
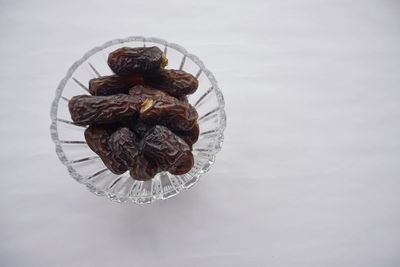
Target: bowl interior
(87, 168)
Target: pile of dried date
(139, 118)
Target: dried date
(144, 169)
(174, 82)
(124, 146)
(97, 139)
(126, 61)
(140, 128)
(167, 150)
(183, 99)
(168, 111)
(191, 136)
(146, 91)
(103, 109)
(113, 84)
(142, 92)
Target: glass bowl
(87, 168)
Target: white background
(309, 174)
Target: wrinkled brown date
(113, 84)
(175, 82)
(142, 92)
(126, 61)
(146, 91)
(168, 111)
(103, 109)
(124, 146)
(144, 169)
(183, 99)
(97, 139)
(167, 150)
(140, 128)
(191, 136)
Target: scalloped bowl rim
(54, 109)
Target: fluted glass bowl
(87, 168)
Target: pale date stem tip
(147, 104)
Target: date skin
(191, 136)
(174, 82)
(167, 150)
(113, 84)
(168, 111)
(127, 61)
(97, 139)
(124, 146)
(144, 169)
(142, 92)
(183, 99)
(146, 91)
(87, 110)
(139, 128)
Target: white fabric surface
(309, 171)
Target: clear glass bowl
(87, 168)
